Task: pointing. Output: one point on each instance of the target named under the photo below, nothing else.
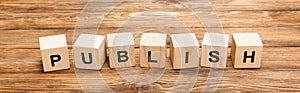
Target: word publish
(90, 51)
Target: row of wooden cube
(89, 51)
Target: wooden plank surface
(22, 22)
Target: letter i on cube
(246, 50)
(153, 50)
(89, 51)
(121, 50)
(214, 50)
(184, 51)
(55, 54)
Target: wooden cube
(246, 50)
(214, 50)
(184, 51)
(89, 52)
(153, 50)
(55, 54)
(121, 50)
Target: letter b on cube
(121, 50)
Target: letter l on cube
(153, 50)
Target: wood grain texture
(22, 22)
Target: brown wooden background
(22, 22)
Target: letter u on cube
(89, 52)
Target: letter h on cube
(246, 50)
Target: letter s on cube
(214, 50)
